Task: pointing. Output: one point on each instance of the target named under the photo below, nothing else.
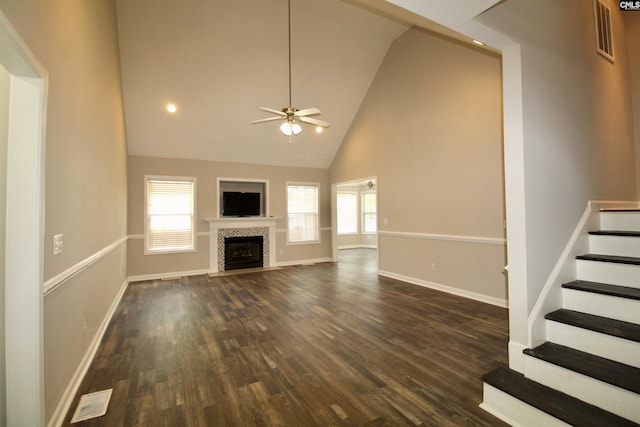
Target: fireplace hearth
(243, 252)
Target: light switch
(57, 244)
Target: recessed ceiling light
(478, 42)
(319, 129)
(172, 108)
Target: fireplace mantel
(219, 227)
(243, 222)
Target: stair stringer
(565, 270)
(550, 298)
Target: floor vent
(604, 38)
(92, 405)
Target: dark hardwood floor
(321, 345)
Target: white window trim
(148, 178)
(362, 212)
(350, 233)
(319, 230)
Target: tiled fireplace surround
(219, 228)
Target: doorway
(23, 84)
(355, 219)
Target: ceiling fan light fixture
(290, 128)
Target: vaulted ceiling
(218, 61)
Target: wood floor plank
(327, 344)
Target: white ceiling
(219, 60)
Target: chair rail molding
(453, 237)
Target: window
(302, 213)
(347, 212)
(170, 215)
(369, 215)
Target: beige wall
(85, 200)
(431, 126)
(577, 122)
(632, 25)
(207, 174)
(4, 125)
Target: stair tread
(606, 370)
(617, 328)
(620, 210)
(604, 289)
(560, 405)
(610, 258)
(622, 233)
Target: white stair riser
(614, 245)
(603, 345)
(603, 395)
(514, 411)
(627, 310)
(608, 272)
(627, 221)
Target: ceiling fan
(291, 115)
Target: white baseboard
(167, 275)
(304, 262)
(67, 397)
(550, 298)
(448, 289)
(358, 247)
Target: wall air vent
(604, 38)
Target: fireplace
(223, 228)
(243, 252)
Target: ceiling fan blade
(307, 112)
(269, 119)
(313, 121)
(271, 110)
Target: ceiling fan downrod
(292, 115)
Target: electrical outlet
(57, 244)
(385, 221)
(84, 324)
(433, 266)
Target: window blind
(347, 209)
(302, 213)
(369, 214)
(170, 215)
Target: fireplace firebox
(243, 252)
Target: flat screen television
(240, 203)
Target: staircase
(587, 373)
